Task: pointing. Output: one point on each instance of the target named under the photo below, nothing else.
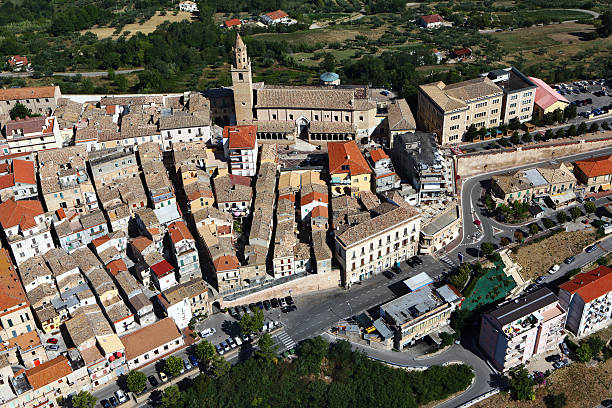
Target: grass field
(534, 38)
(494, 285)
(146, 28)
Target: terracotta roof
(432, 18)
(241, 137)
(18, 60)
(462, 51)
(141, 243)
(100, 241)
(24, 171)
(178, 231)
(378, 154)
(116, 266)
(26, 341)
(150, 337)
(277, 15)
(27, 93)
(6, 181)
(12, 293)
(345, 157)
(313, 196)
(306, 97)
(596, 166)
(232, 22)
(20, 212)
(162, 268)
(26, 125)
(48, 372)
(319, 211)
(226, 263)
(590, 285)
(546, 96)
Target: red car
(477, 222)
(52, 340)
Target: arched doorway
(303, 125)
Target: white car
(553, 269)
(208, 332)
(121, 397)
(238, 341)
(163, 377)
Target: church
(316, 114)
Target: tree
(548, 223)
(590, 207)
(515, 138)
(471, 133)
(584, 353)
(518, 235)
(602, 261)
(514, 124)
(136, 381)
(526, 138)
(533, 228)
(605, 125)
(20, 111)
(521, 385)
(204, 351)
(173, 365)
(267, 348)
(575, 213)
(329, 63)
(594, 127)
(460, 278)
(171, 397)
(487, 248)
(560, 134)
(570, 112)
(571, 131)
(220, 366)
(562, 217)
(582, 128)
(555, 400)
(252, 322)
(84, 399)
(505, 241)
(596, 344)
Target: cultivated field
(146, 28)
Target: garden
(488, 285)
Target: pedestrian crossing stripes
(286, 340)
(446, 259)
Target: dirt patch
(584, 387)
(146, 28)
(538, 257)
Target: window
(291, 117)
(513, 105)
(481, 105)
(493, 121)
(514, 97)
(240, 76)
(454, 127)
(360, 117)
(455, 117)
(494, 111)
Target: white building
(240, 147)
(184, 251)
(163, 275)
(183, 128)
(588, 301)
(151, 343)
(32, 134)
(188, 6)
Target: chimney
(348, 157)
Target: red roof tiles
(24, 171)
(48, 372)
(378, 154)
(242, 180)
(12, 293)
(19, 213)
(319, 211)
(226, 263)
(432, 18)
(234, 22)
(596, 166)
(162, 268)
(241, 137)
(178, 231)
(546, 96)
(11, 94)
(345, 157)
(590, 285)
(6, 181)
(313, 196)
(277, 15)
(116, 266)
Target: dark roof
(425, 146)
(517, 81)
(523, 306)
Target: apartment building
(158, 185)
(164, 275)
(184, 251)
(594, 174)
(588, 300)
(112, 164)
(348, 169)
(20, 183)
(26, 227)
(151, 343)
(241, 149)
(449, 110)
(233, 194)
(32, 134)
(522, 328)
(519, 93)
(15, 316)
(183, 127)
(440, 230)
(399, 119)
(422, 312)
(385, 177)
(42, 100)
(428, 169)
(78, 230)
(370, 247)
(185, 301)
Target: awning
(605, 186)
(564, 198)
(382, 328)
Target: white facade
(45, 138)
(243, 162)
(188, 6)
(31, 242)
(171, 137)
(180, 312)
(306, 208)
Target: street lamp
(350, 308)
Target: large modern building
(519, 93)
(449, 110)
(588, 301)
(522, 328)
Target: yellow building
(348, 169)
(547, 100)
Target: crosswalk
(286, 340)
(447, 260)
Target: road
(89, 74)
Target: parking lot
(583, 90)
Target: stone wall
(471, 164)
(308, 284)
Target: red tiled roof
(110, 109)
(226, 263)
(242, 180)
(313, 196)
(141, 243)
(378, 154)
(545, 96)
(288, 196)
(346, 154)
(4, 168)
(178, 231)
(241, 137)
(116, 266)
(18, 60)
(20, 212)
(27, 93)
(24, 171)
(162, 268)
(590, 285)
(48, 372)
(100, 241)
(462, 51)
(595, 166)
(319, 211)
(12, 293)
(277, 15)
(232, 22)
(432, 18)
(224, 229)
(6, 181)
(27, 125)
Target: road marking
(286, 340)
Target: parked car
(388, 274)
(569, 260)
(564, 349)
(274, 302)
(105, 404)
(553, 269)
(607, 403)
(477, 222)
(289, 300)
(540, 279)
(260, 305)
(289, 308)
(52, 347)
(252, 306)
(220, 350)
(238, 341)
(591, 248)
(245, 338)
(561, 364)
(410, 262)
(580, 199)
(113, 401)
(163, 377)
(554, 358)
(208, 332)
(417, 260)
(396, 269)
(231, 342)
(52, 340)
(153, 381)
(194, 361)
(226, 346)
(282, 302)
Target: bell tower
(242, 83)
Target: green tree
(602, 261)
(584, 353)
(204, 351)
(594, 127)
(605, 125)
(571, 131)
(596, 344)
(514, 124)
(533, 228)
(329, 63)
(555, 400)
(562, 217)
(171, 397)
(471, 133)
(590, 207)
(487, 248)
(84, 399)
(460, 278)
(220, 366)
(136, 381)
(526, 138)
(252, 322)
(505, 241)
(173, 366)
(20, 111)
(266, 348)
(515, 138)
(548, 223)
(521, 385)
(582, 128)
(575, 213)
(570, 112)
(560, 134)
